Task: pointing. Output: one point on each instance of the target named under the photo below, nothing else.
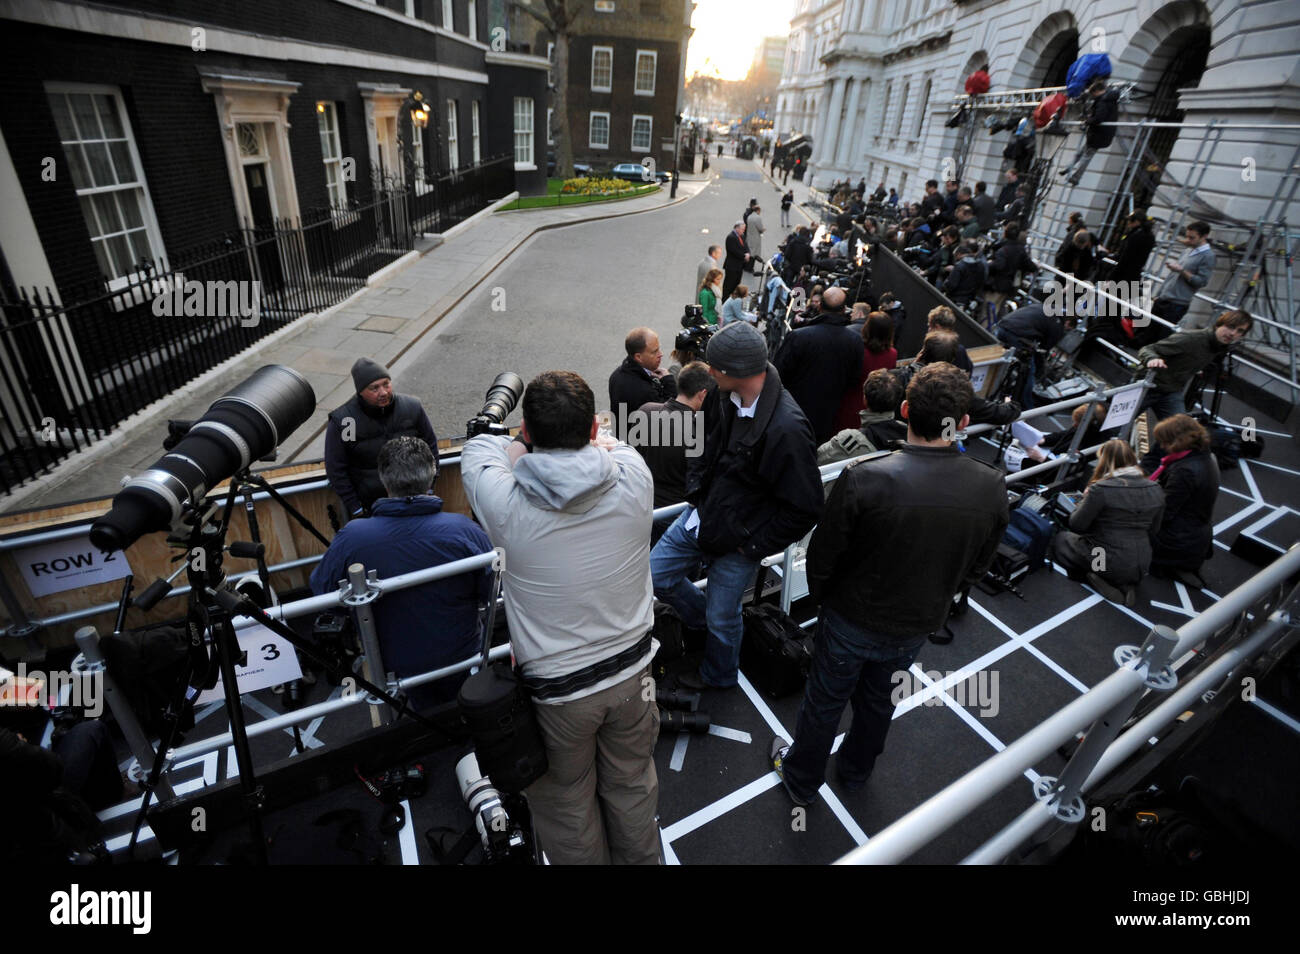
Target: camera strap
(554, 686)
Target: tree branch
(537, 15)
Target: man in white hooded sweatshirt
(572, 508)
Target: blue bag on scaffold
(1083, 71)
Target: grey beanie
(366, 372)
(737, 350)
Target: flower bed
(588, 186)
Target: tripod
(214, 650)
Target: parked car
(580, 169)
(635, 172)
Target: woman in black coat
(1109, 540)
(1189, 475)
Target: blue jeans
(674, 558)
(850, 664)
(1026, 395)
(1164, 403)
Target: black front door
(258, 183)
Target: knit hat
(738, 350)
(366, 372)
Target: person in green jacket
(1176, 359)
(709, 295)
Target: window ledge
(525, 167)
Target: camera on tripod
(499, 401)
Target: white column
(830, 125)
(845, 157)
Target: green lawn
(553, 197)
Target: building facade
(873, 82)
(134, 130)
(627, 70)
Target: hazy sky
(727, 32)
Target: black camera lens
(670, 721)
(502, 396)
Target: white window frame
(902, 107)
(591, 143)
(152, 233)
(550, 69)
(925, 106)
(529, 164)
(448, 16)
(654, 70)
(453, 137)
(422, 183)
(550, 130)
(475, 141)
(472, 8)
(410, 9)
(594, 51)
(334, 167)
(650, 139)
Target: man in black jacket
(1008, 193)
(639, 379)
(357, 431)
(737, 260)
(797, 253)
(942, 513)
(969, 272)
(667, 433)
(753, 492)
(1033, 329)
(942, 347)
(1009, 258)
(820, 361)
(1099, 129)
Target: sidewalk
(811, 215)
(382, 321)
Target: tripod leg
(227, 649)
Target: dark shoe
(852, 786)
(1190, 578)
(777, 753)
(1130, 596)
(1112, 593)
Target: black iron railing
(75, 365)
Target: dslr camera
(499, 401)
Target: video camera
(499, 401)
(695, 333)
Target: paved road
(570, 296)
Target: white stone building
(873, 81)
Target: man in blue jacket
(422, 627)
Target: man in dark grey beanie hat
(753, 491)
(357, 431)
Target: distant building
(627, 70)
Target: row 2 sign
(68, 565)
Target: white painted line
(1239, 516)
(119, 843)
(978, 727)
(837, 807)
(670, 856)
(1030, 648)
(1278, 714)
(128, 807)
(679, 751)
(722, 732)
(1235, 493)
(406, 837)
(1262, 522)
(719, 808)
(1285, 470)
(1065, 615)
(1250, 479)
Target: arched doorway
(1187, 50)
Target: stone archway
(1044, 48)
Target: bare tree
(556, 17)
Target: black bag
(507, 739)
(775, 654)
(1229, 448)
(672, 642)
(147, 665)
(1009, 565)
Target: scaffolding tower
(1262, 252)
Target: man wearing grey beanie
(753, 491)
(356, 432)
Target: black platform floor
(721, 803)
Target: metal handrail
(937, 814)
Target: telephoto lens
(240, 427)
(499, 401)
(670, 721)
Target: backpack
(1049, 107)
(1083, 71)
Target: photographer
(942, 513)
(966, 280)
(1109, 540)
(1030, 329)
(940, 347)
(639, 379)
(572, 508)
(820, 361)
(424, 627)
(356, 431)
(675, 418)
